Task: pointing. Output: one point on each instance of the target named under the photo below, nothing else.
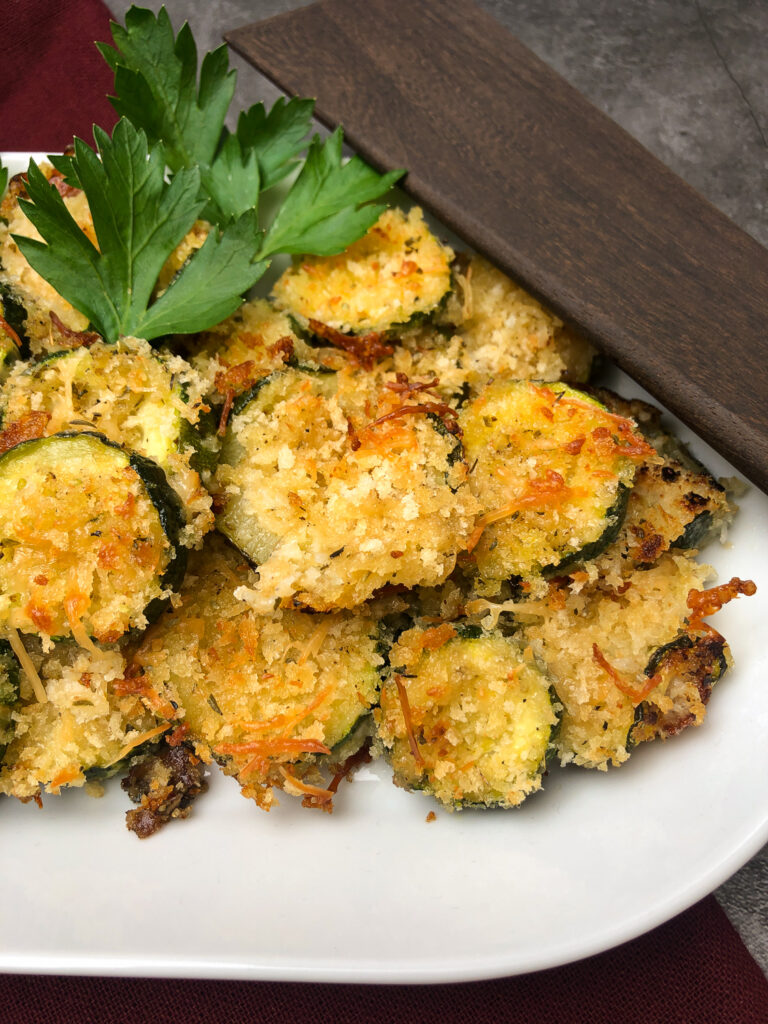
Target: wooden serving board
(522, 166)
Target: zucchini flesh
(332, 503)
(151, 402)
(469, 719)
(396, 273)
(89, 538)
(268, 696)
(551, 469)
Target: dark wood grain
(523, 167)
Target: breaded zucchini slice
(269, 696)
(466, 716)
(152, 402)
(686, 669)
(395, 274)
(603, 649)
(9, 693)
(679, 503)
(670, 507)
(254, 342)
(500, 329)
(551, 468)
(86, 729)
(333, 505)
(89, 538)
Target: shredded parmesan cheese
(26, 663)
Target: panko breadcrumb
(466, 719)
(254, 342)
(494, 328)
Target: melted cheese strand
(26, 663)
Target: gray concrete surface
(689, 79)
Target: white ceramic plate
(374, 893)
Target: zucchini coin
(270, 696)
(466, 716)
(89, 538)
(333, 505)
(396, 274)
(598, 645)
(86, 730)
(552, 469)
(685, 671)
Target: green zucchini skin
(614, 519)
(243, 400)
(172, 520)
(99, 774)
(702, 660)
(14, 312)
(10, 675)
(302, 328)
(682, 469)
(697, 533)
(686, 642)
(457, 452)
(204, 457)
(252, 393)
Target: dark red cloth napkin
(53, 83)
(693, 969)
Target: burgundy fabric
(693, 969)
(53, 82)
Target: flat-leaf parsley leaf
(139, 218)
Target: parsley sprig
(172, 160)
(156, 88)
(139, 218)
